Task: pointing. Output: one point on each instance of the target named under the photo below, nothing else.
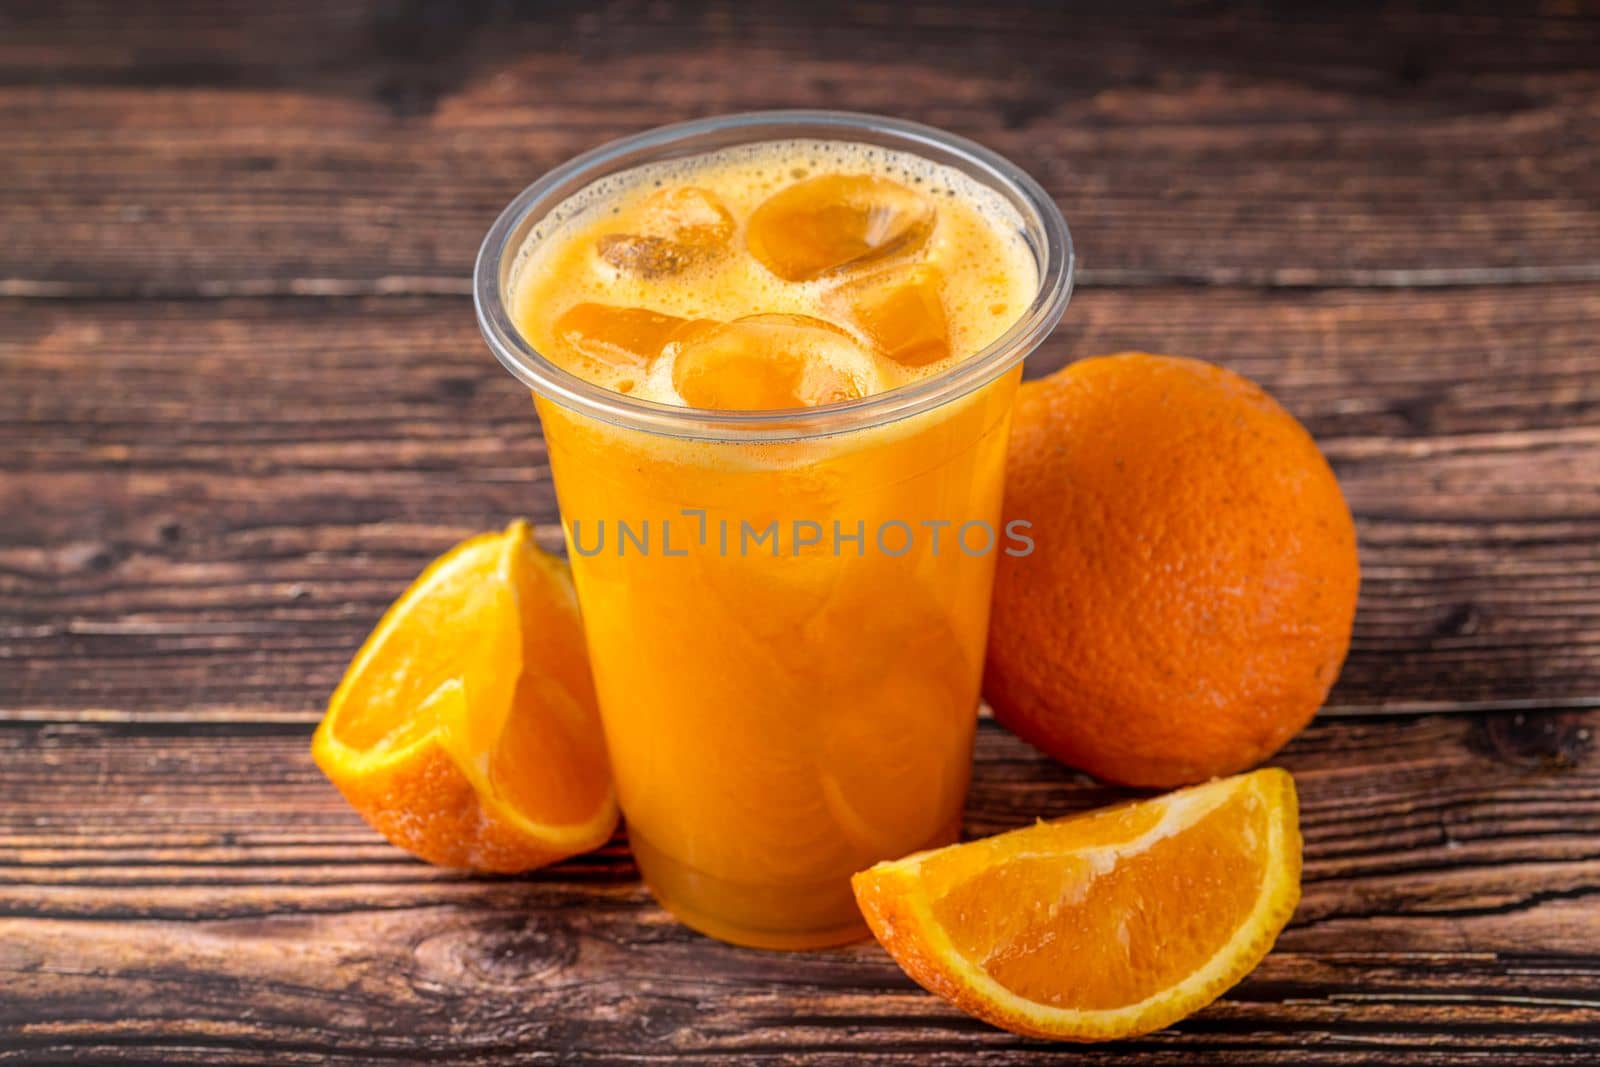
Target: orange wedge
(466, 730)
(1102, 925)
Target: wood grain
(185, 894)
(208, 505)
(365, 147)
(243, 401)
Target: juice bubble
(834, 222)
(901, 310)
(771, 362)
(670, 231)
(616, 336)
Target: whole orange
(1189, 596)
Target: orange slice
(1102, 925)
(466, 730)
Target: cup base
(785, 917)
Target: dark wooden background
(243, 400)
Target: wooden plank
(207, 505)
(185, 894)
(354, 147)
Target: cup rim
(1044, 227)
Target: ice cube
(770, 362)
(900, 310)
(834, 222)
(616, 336)
(648, 257)
(670, 231)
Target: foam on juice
(679, 249)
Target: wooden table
(243, 400)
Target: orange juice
(782, 517)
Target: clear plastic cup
(787, 657)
